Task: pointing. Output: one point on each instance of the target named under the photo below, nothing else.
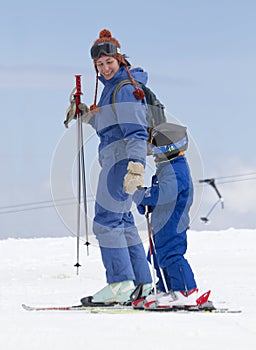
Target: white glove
(134, 178)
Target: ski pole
(81, 182)
(77, 96)
(152, 250)
(82, 161)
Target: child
(169, 199)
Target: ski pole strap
(78, 93)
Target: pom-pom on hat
(109, 46)
(105, 36)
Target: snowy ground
(41, 272)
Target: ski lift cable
(237, 175)
(241, 180)
(38, 205)
(31, 208)
(231, 177)
(50, 203)
(34, 203)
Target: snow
(40, 272)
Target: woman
(122, 130)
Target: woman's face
(107, 66)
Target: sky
(200, 57)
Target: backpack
(155, 112)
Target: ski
(51, 308)
(116, 309)
(120, 309)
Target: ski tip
(26, 307)
(203, 298)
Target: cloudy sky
(200, 56)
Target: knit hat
(113, 50)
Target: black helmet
(168, 140)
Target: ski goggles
(105, 48)
(169, 148)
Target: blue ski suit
(170, 198)
(123, 137)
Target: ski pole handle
(78, 93)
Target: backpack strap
(155, 116)
(117, 88)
